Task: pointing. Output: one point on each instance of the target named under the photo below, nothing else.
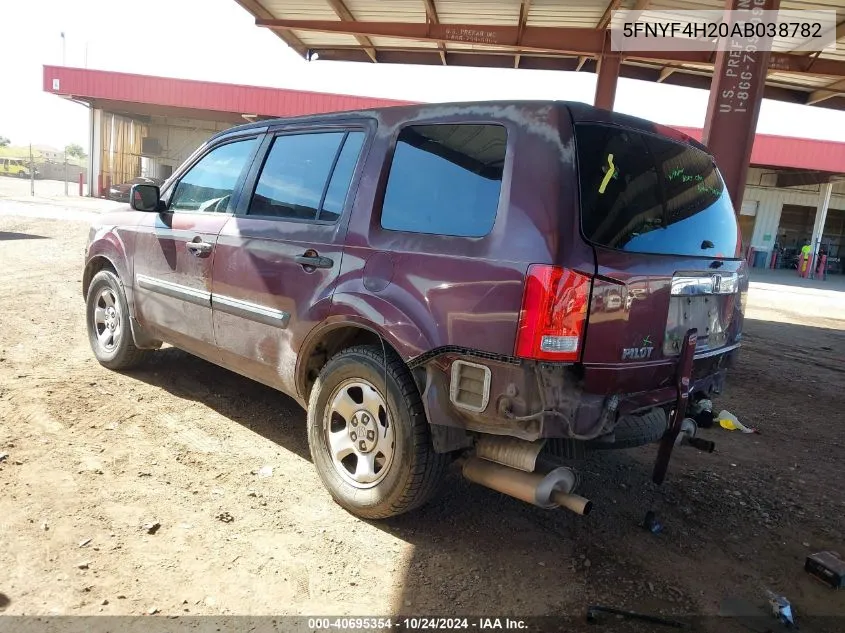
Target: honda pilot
(497, 286)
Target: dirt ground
(92, 456)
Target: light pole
(31, 172)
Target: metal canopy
(540, 34)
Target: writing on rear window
(701, 187)
(648, 194)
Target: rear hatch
(658, 216)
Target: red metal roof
(93, 85)
(787, 151)
(147, 94)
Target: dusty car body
(509, 284)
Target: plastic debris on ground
(729, 421)
(781, 608)
(651, 523)
(702, 412)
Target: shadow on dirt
(11, 235)
(734, 521)
(257, 407)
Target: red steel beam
(344, 13)
(533, 37)
(828, 92)
(524, 8)
(431, 15)
(568, 40)
(609, 66)
(612, 6)
(736, 92)
(261, 13)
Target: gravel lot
(92, 456)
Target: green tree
(75, 149)
(4, 141)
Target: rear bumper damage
(467, 392)
(516, 465)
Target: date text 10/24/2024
(416, 624)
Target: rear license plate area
(702, 312)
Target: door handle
(198, 248)
(314, 261)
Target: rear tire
(109, 329)
(372, 448)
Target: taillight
(554, 313)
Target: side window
(445, 180)
(209, 184)
(341, 178)
(306, 176)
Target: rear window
(445, 180)
(645, 194)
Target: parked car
(19, 167)
(419, 279)
(121, 192)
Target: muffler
(549, 487)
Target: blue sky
(217, 40)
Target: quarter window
(208, 185)
(307, 176)
(445, 180)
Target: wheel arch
(331, 338)
(104, 255)
(94, 265)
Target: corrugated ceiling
(818, 81)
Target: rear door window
(646, 194)
(445, 180)
(307, 176)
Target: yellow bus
(15, 167)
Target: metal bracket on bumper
(683, 380)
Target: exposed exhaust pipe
(549, 489)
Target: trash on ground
(729, 421)
(83, 565)
(3, 456)
(702, 412)
(827, 567)
(594, 610)
(651, 523)
(265, 471)
(152, 527)
(85, 542)
(781, 608)
(751, 616)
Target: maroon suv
(508, 285)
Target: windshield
(647, 194)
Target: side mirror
(145, 198)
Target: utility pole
(31, 172)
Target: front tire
(372, 447)
(109, 330)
